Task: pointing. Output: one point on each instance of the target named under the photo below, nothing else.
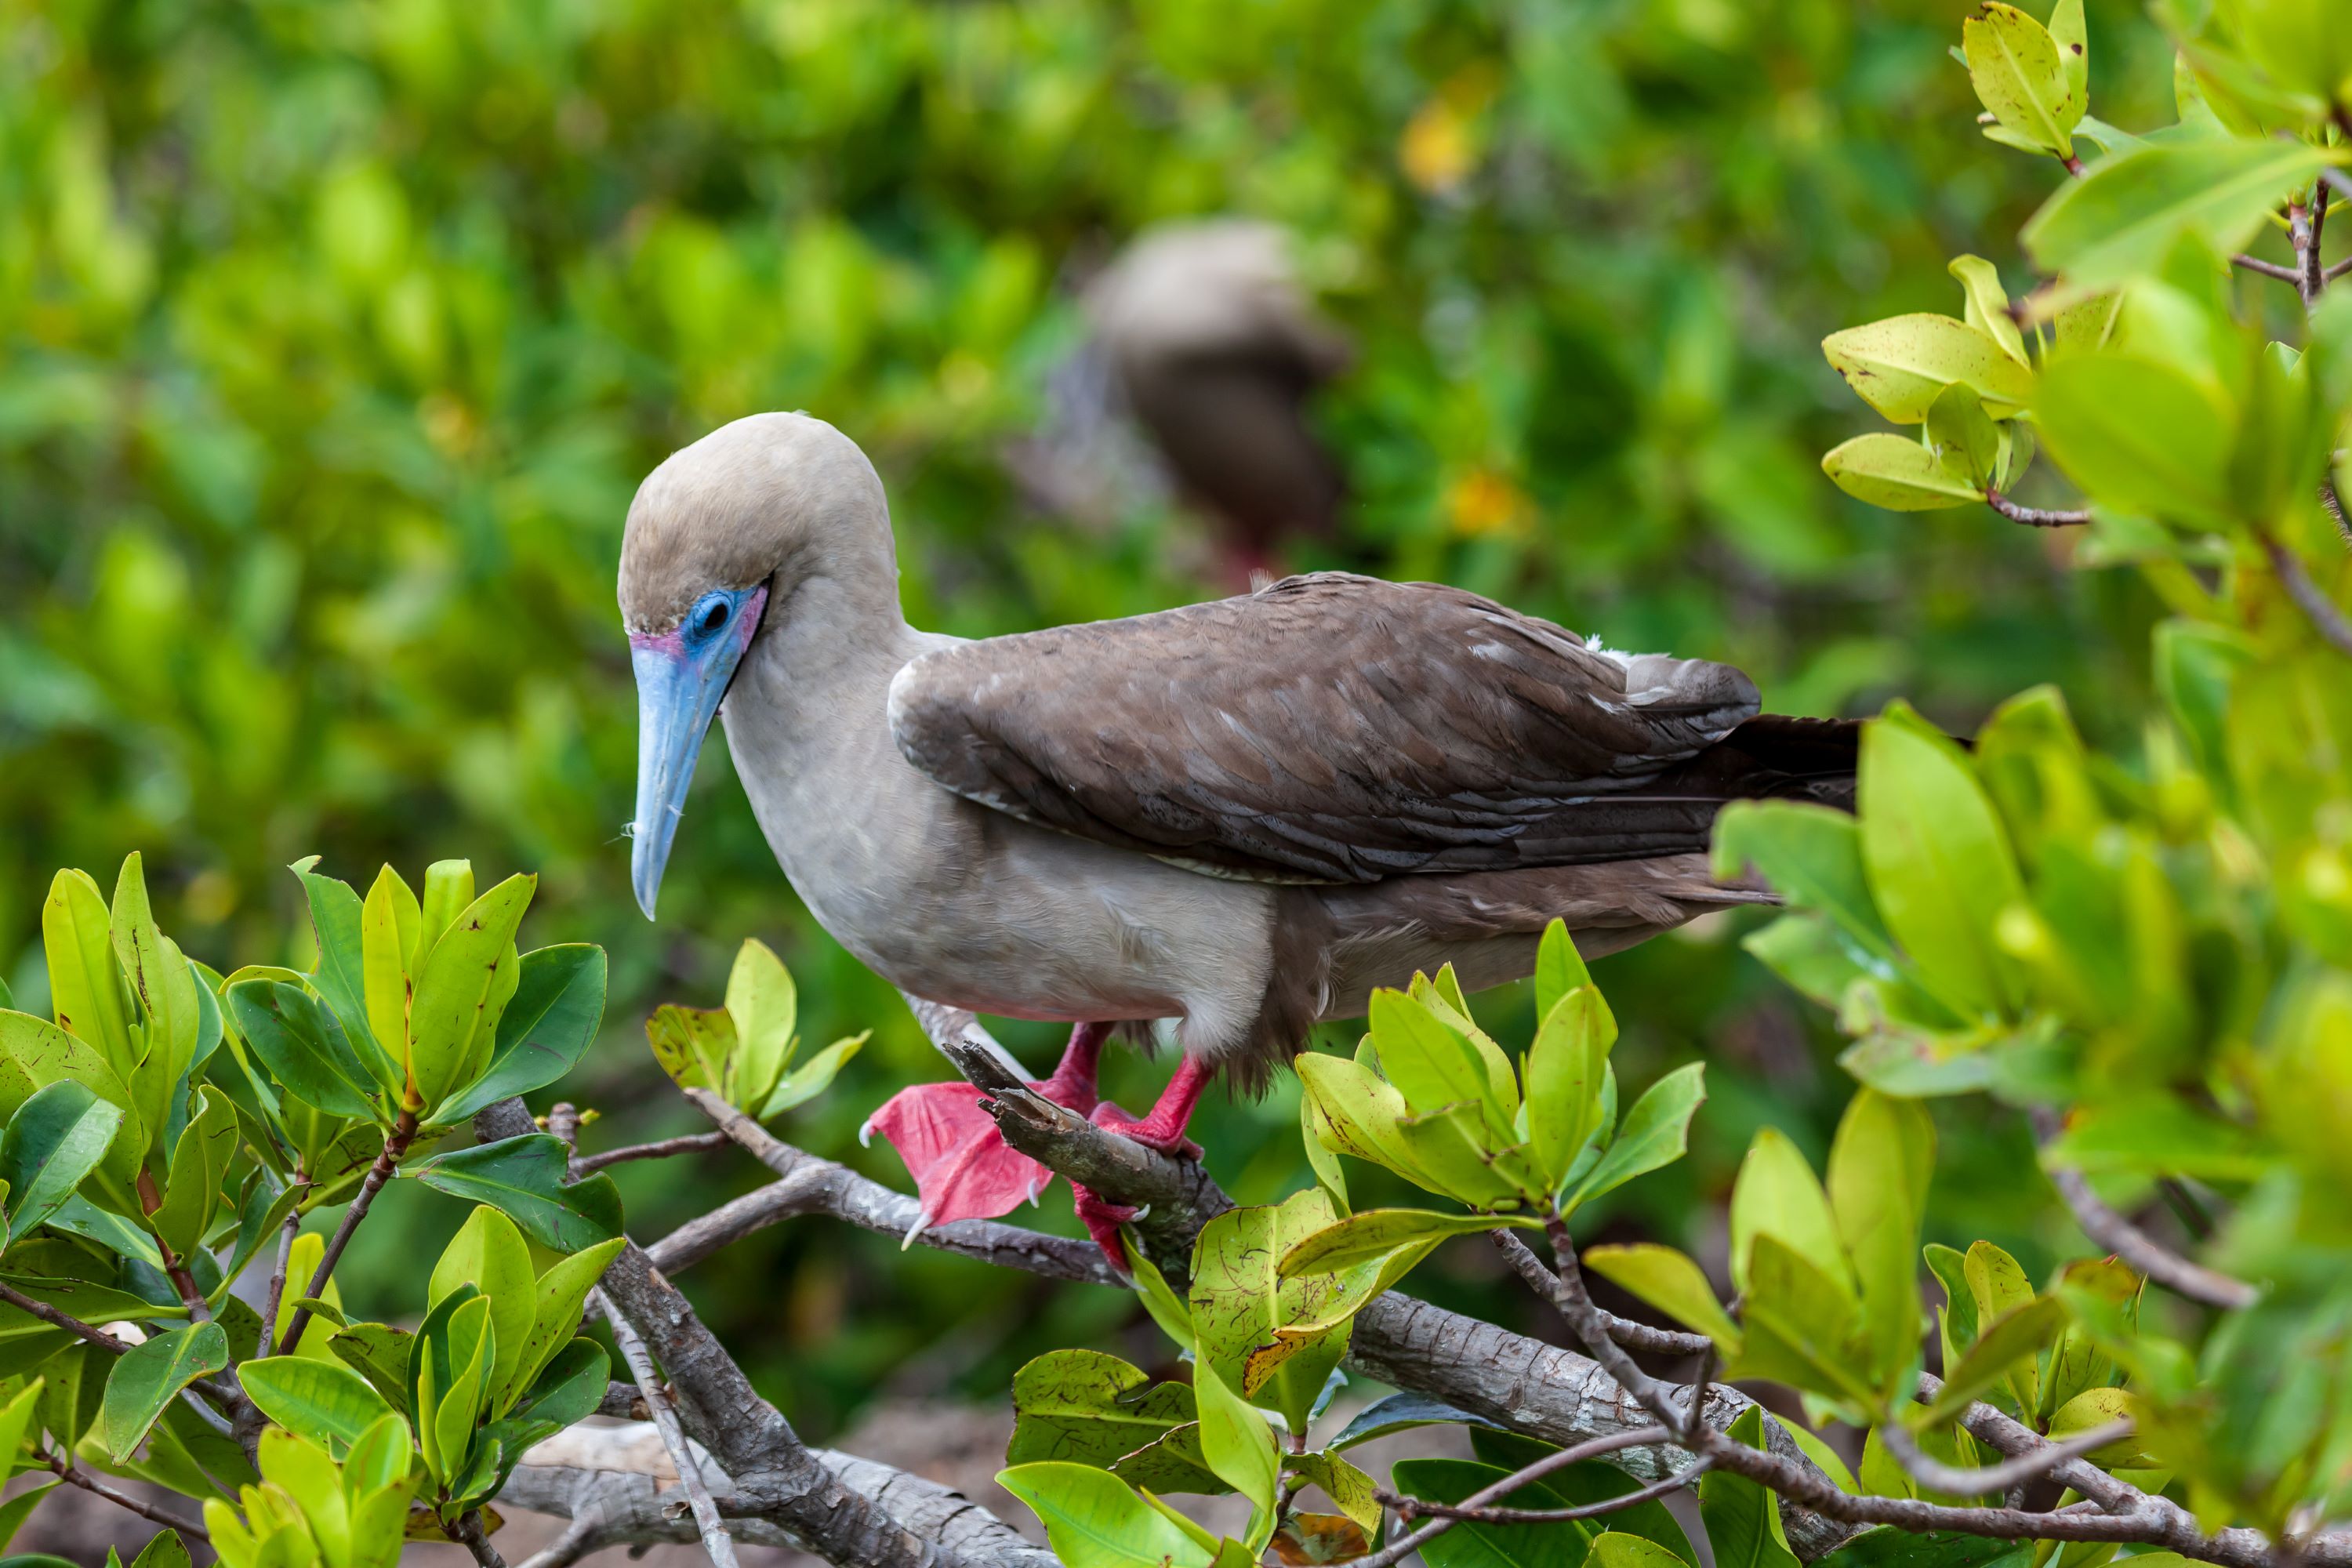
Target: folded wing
(1334, 728)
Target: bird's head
(721, 540)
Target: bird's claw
(1102, 1219)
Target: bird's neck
(818, 674)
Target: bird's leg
(1071, 1084)
(961, 1165)
(1162, 1129)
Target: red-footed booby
(1243, 816)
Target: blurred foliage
(333, 339)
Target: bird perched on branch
(1243, 815)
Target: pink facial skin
(673, 641)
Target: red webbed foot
(961, 1165)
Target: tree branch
(2034, 516)
(813, 1185)
(716, 1543)
(612, 1481)
(661, 1149)
(396, 1144)
(2316, 606)
(467, 1532)
(1625, 1331)
(2127, 1241)
(2267, 269)
(1471, 1507)
(748, 1438)
(66, 1471)
(1991, 1479)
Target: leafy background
(334, 338)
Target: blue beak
(681, 678)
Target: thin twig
(2331, 501)
(2034, 516)
(466, 1532)
(69, 1473)
(1416, 1508)
(184, 1283)
(2111, 1231)
(1939, 1476)
(2305, 594)
(2005, 1434)
(396, 1144)
(2267, 269)
(277, 1296)
(1397, 1551)
(62, 1320)
(2338, 270)
(662, 1149)
(716, 1542)
(1625, 1331)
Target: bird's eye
(713, 616)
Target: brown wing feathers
(1342, 729)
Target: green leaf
(1094, 1519)
(1353, 1492)
(1670, 1281)
(86, 988)
(693, 1045)
(1963, 435)
(1560, 968)
(1986, 304)
(1654, 1135)
(378, 1353)
(2139, 435)
(55, 1137)
(1374, 1234)
(164, 1549)
(1357, 1113)
(524, 1178)
(1238, 1445)
(314, 1399)
(456, 987)
(150, 1377)
(1320, 1159)
(1087, 1407)
(1899, 474)
(1802, 1326)
(765, 1008)
(1400, 1413)
(1878, 1172)
(1268, 1335)
(305, 1049)
(1615, 1549)
(341, 974)
(812, 1077)
(1458, 1154)
(1159, 1300)
(1811, 855)
(2123, 218)
(388, 922)
(2014, 66)
(1742, 1518)
(1431, 1063)
(1888, 1546)
(200, 1165)
(557, 1300)
(1777, 1194)
(1899, 366)
(13, 1514)
(1564, 1066)
(488, 1253)
(1938, 860)
(1501, 1454)
(2068, 32)
(448, 888)
(547, 1026)
(570, 1389)
(2008, 1338)
(160, 983)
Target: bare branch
(716, 1542)
(2005, 1435)
(467, 1532)
(278, 1272)
(1416, 1508)
(2034, 516)
(613, 1483)
(67, 1472)
(1625, 1331)
(2267, 269)
(1405, 1546)
(661, 1149)
(396, 1144)
(1939, 1476)
(748, 1438)
(813, 1185)
(2316, 606)
(2126, 1240)
(2328, 497)
(62, 1320)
